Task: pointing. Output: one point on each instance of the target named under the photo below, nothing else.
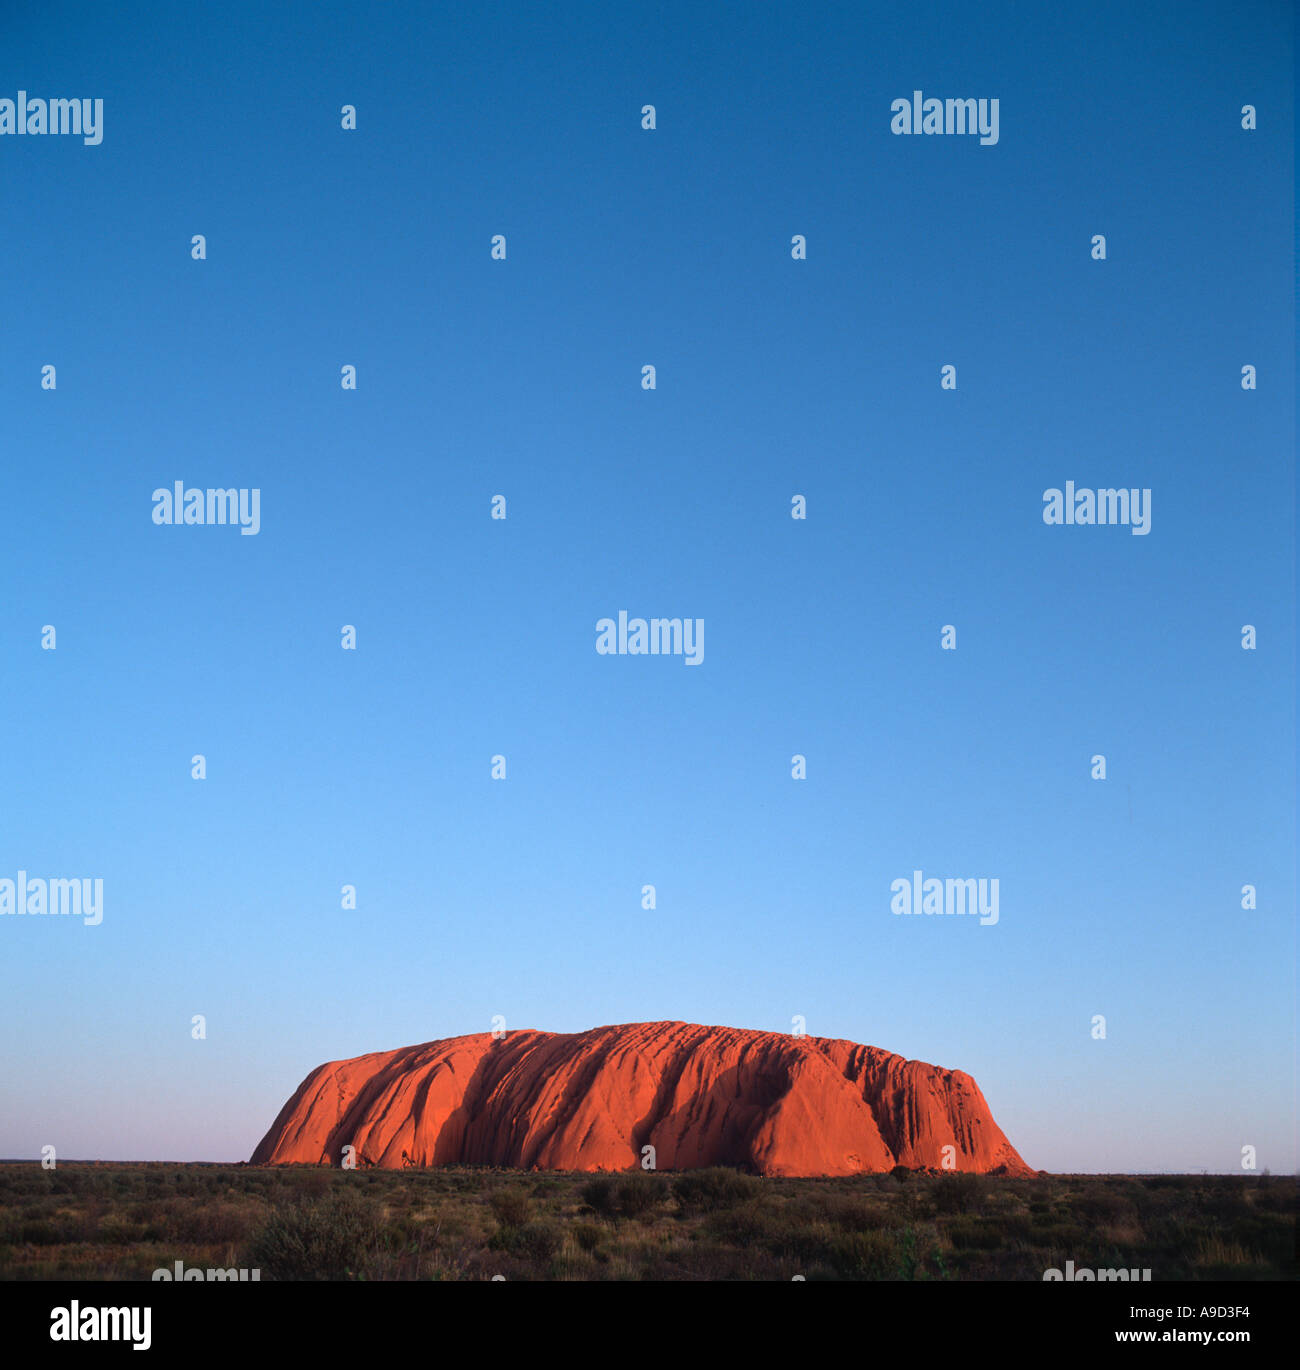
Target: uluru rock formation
(767, 1101)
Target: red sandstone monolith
(767, 1101)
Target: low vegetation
(106, 1221)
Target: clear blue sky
(775, 377)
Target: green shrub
(865, 1255)
(536, 1241)
(315, 1183)
(1063, 1236)
(587, 1235)
(630, 1194)
(957, 1192)
(210, 1225)
(749, 1224)
(704, 1191)
(510, 1207)
(854, 1215)
(598, 1195)
(974, 1234)
(1101, 1207)
(118, 1230)
(327, 1239)
(638, 1192)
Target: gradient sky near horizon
(476, 637)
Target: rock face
(767, 1101)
